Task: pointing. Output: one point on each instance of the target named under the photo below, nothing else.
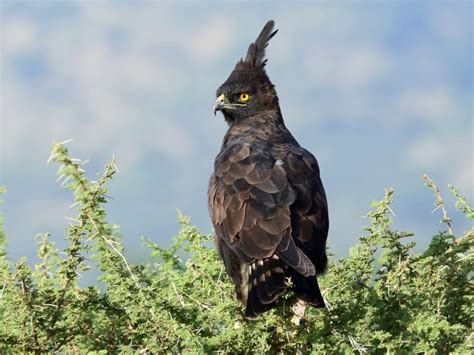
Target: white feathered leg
(298, 310)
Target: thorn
(110, 241)
(438, 207)
(74, 220)
(89, 239)
(50, 158)
(60, 168)
(66, 141)
(115, 164)
(93, 223)
(391, 211)
(326, 302)
(74, 204)
(65, 181)
(180, 298)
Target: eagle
(266, 199)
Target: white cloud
(212, 40)
(433, 105)
(174, 141)
(18, 35)
(43, 212)
(448, 154)
(426, 152)
(453, 26)
(464, 178)
(359, 69)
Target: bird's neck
(267, 126)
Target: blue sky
(380, 92)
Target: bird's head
(248, 90)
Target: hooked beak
(221, 103)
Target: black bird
(266, 198)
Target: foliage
(383, 298)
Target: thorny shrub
(383, 298)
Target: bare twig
(440, 204)
(124, 260)
(180, 298)
(205, 306)
(131, 274)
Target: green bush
(383, 298)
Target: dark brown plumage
(266, 198)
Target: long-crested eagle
(266, 198)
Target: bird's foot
(298, 309)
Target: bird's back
(266, 202)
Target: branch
(440, 205)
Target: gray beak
(221, 102)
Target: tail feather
(296, 258)
(266, 283)
(307, 289)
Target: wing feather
(309, 212)
(264, 208)
(256, 201)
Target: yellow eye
(244, 97)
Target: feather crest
(256, 52)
